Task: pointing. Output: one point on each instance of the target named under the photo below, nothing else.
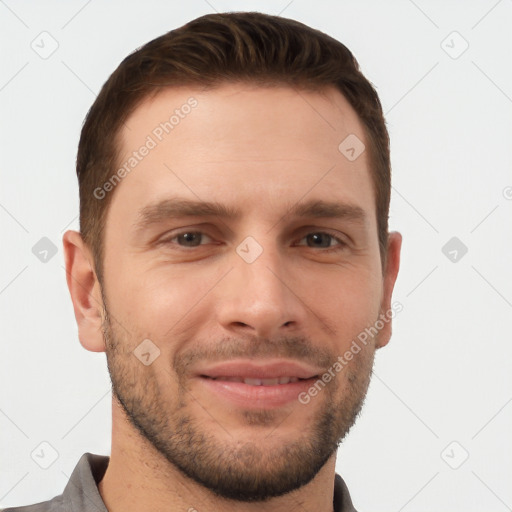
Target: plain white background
(435, 431)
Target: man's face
(231, 302)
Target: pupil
(190, 238)
(317, 237)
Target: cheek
(162, 302)
(348, 299)
(173, 302)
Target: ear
(85, 291)
(389, 279)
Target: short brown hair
(209, 51)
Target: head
(224, 229)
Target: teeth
(253, 382)
(260, 382)
(286, 380)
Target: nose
(260, 297)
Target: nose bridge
(262, 272)
(258, 297)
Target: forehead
(231, 114)
(241, 143)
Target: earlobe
(85, 291)
(389, 279)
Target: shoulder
(53, 505)
(81, 492)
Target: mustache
(297, 348)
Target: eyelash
(341, 243)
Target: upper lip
(262, 369)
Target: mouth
(257, 385)
(258, 381)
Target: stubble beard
(254, 471)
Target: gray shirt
(81, 492)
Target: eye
(323, 240)
(187, 239)
(316, 239)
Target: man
(234, 191)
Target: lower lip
(257, 397)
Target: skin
(261, 150)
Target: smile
(259, 382)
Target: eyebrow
(178, 207)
